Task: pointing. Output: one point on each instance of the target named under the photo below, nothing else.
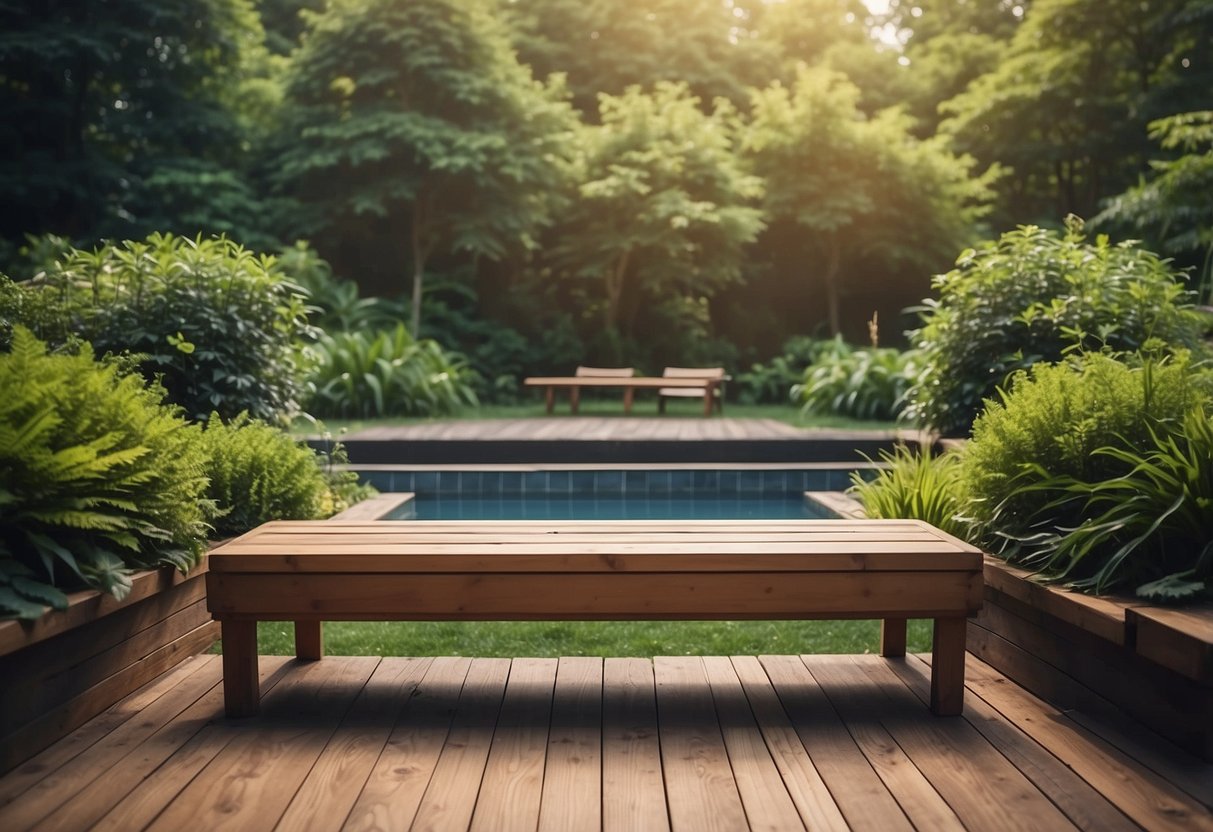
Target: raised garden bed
(70, 665)
(1100, 655)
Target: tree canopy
(706, 176)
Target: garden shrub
(97, 478)
(260, 473)
(915, 485)
(367, 375)
(772, 383)
(218, 326)
(861, 383)
(1033, 296)
(1066, 443)
(1149, 528)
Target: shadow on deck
(776, 742)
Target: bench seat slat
(390, 559)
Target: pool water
(610, 507)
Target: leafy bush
(97, 478)
(915, 485)
(336, 303)
(862, 383)
(259, 473)
(1148, 528)
(217, 325)
(1032, 296)
(772, 383)
(364, 375)
(1070, 440)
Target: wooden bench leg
(574, 398)
(241, 688)
(893, 637)
(707, 401)
(309, 640)
(629, 394)
(948, 666)
(549, 399)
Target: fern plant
(97, 478)
(390, 373)
(260, 473)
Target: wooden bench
(705, 387)
(309, 572)
(711, 395)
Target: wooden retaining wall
(1100, 655)
(70, 665)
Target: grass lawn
(608, 408)
(589, 638)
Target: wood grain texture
(450, 798)
(700, 789)
(572, 782)
(1179, 639)
(804, 742)
(633, 786)
(512, 787)
(396, 785)
(767, 803)
(862, 797)
(353, 597)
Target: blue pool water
(697, 506)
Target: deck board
(777, 742)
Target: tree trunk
(419, 257)
(614, 289)
(833, 266)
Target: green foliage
(414, 122)
(1066, 107)
(861, 383)
(217, 325)
(1065, 432)
(259, 473)
(663, 209)
(915, 485)
(1032, 296)
(1174, 209)
(364, 375)
(1148, 528)
(772, 383)
(852, 189)
(129, 116)
(97, 478)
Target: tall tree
(1173, 208)
(606, 46)
(418, 117)
(122, 117)
(1068, 106)
(663, 209)
(850, 188)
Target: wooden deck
(608, 439)
(683, 743)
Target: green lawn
(608, 408)
(589, 638)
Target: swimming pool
(693, 493)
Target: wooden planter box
(67, 667)
(1099, 654)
